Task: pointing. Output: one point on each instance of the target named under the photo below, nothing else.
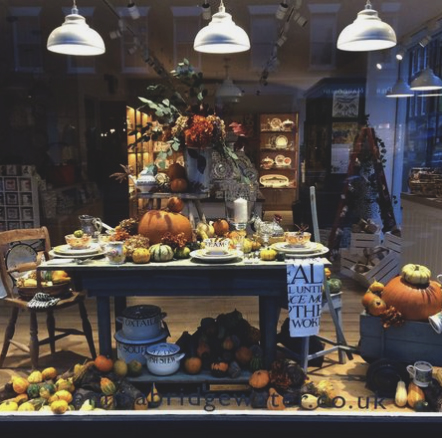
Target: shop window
(134, 37)
(323, 34)
(26, 38)
(186, 24)
(81, 64)
(263, 34)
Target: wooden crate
(384, 271)
(359, 241)
(411, 342)
(392, 242)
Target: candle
(240, 215)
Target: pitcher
(90, 225)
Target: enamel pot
(142, 322)
(128, 349)
(163, 359)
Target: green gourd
(33, 390)
(161, 253)
(334, 285)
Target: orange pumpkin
(221, 227)
(376, 306)
(259, 379)
(175, 204)
(176, 171)
(103, 363)
(193, 365)
(179, 185)
(368, 297)
(415, 303)
(156, 223)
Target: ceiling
(292, 69)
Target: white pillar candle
(240, 215)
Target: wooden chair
(7, 240)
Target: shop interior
(82, 134)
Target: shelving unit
(279, 160)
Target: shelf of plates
(279, 160)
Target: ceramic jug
(90, 225)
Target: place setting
(298, 243)
(78, 246)
(217, 251)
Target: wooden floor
(185, 314)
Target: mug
(115, 253)
(422, 373)
(436, 322)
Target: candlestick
(240, 214)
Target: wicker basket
(57, 291)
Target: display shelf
(182, 377)
(19, 206)
(278, 142)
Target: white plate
(279, 160)
(62, 261)
(19, 254)
(72, 256)
(273, 180)
(313, 248)
(201, 255)
(67, 250)
(275, 124)
(281, 142)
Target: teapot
(146, 179)
(90, 225)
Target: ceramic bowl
(296, 238)
(163, 359)
(82, 242)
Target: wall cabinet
(279, 160)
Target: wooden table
(185, 278)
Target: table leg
(104, 326)
(119, 306)
(268, 324)
(199, 209)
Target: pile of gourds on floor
(97, 385)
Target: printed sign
(304, 287)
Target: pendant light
(221, 35)
(228, 92)
(75, 37)
(368, 32)
(426, 80)
(400, 88)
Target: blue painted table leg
(305, 344)
(268, 325)
(104, 326)
(119, 306)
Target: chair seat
(65, 302)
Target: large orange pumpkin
(414, 302)
(156, 223)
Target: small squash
(243, 355)
(20, 385)
(33, 390)
(8, 406)
(59, 406)
(35, 377)
(49, 373)
(400, 397)
(141, 255)
(175, 204)
(309, 402)
(368, 297)
(221, 227)
(154, 398)
(161, 253)
(103, 363)
(416, 274)
(179, 185)
(107, 402)
(64, 395)
(334, 285)
(228, 343)
(268, 254)
(26, 407)
(219, 368)
(376, 287)
(415, 394)
(107, 386)
(46, 390)
(377, 307)
(192, 365)
(275, 402)
(259, 379)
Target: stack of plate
(310, 249)
(208, 256)
(66, 251)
